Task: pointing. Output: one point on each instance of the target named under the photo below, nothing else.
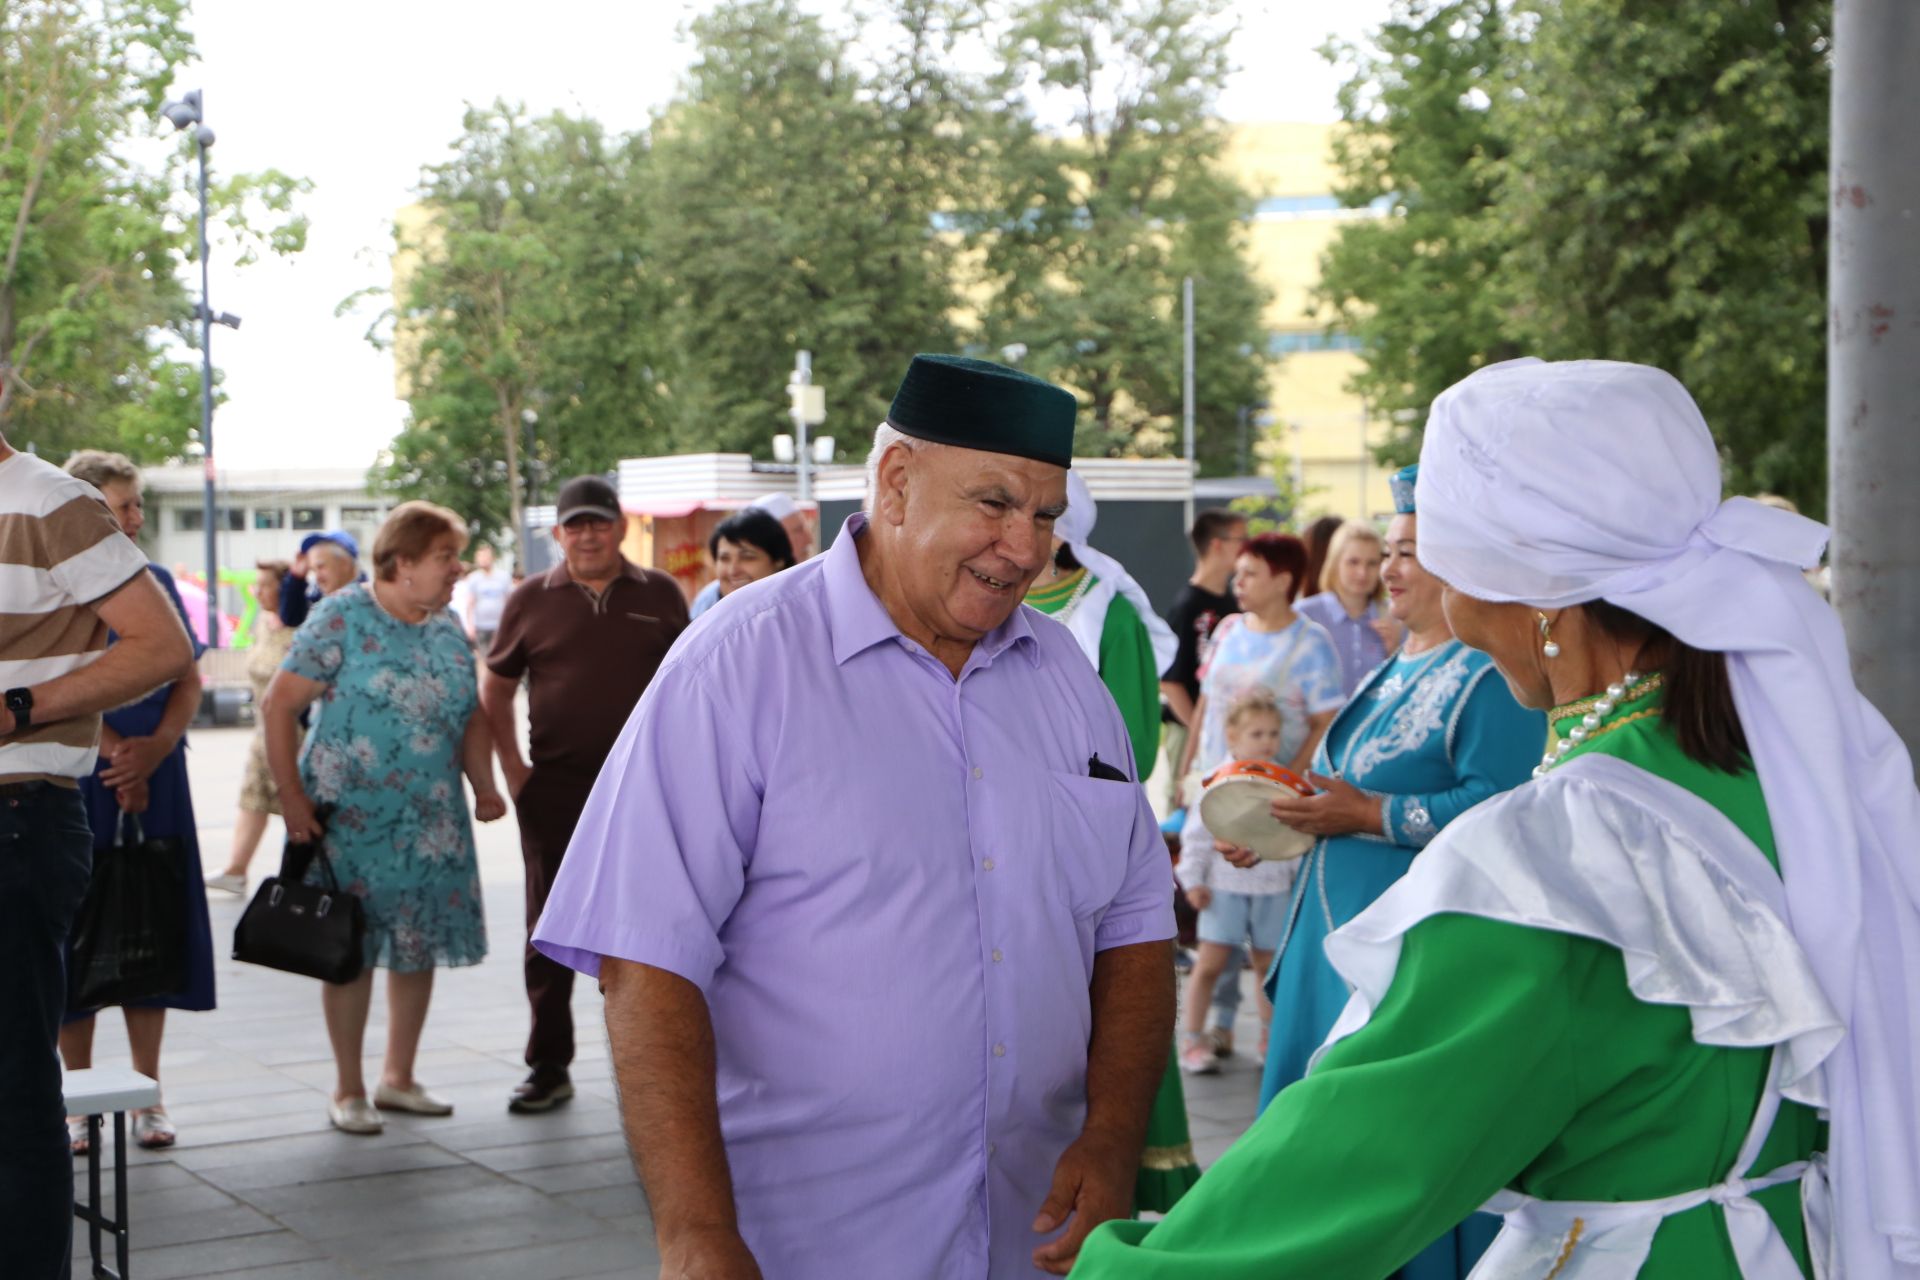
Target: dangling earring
(1547, 645)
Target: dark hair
(1283, 553)
(1699, 695)
(750, 526)
(1319, 537)
(1064, 559)
(278, 568)
(1211, 526)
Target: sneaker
(414, 1099)
(1196, 1057)
(355, 1115)
(228, 882)
(542, 1091)
(1222, 1038)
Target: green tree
(795, 195)
(1665, 196)
(1416, 285)
(92, 304)
(1095, 227)
(524, 317)
(1615, 179)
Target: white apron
(1698, 914)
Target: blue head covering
(1402, 483)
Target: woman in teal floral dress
(397, 722)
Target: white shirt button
(999, 1051)
(997, 957)
(976, 773)
(987, 864)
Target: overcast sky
(356, 95)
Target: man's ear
(891, 481)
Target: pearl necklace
(1080, 590)
(1602, 708)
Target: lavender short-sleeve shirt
(891, 886)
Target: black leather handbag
(310, 929)
(129, 939)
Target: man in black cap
(879, 909)
(587, 636)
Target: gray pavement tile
(587, 1175)
(292, 1149)
(611, 1202)
(258, 1085)
(359, 1161)
(151, 1205)
(373, 1190)
(625, 1255)
(252, 1126)
(243, 1254)
(155, 1176)
(316, 1270)
(573, 1121)
(438, 1237)
(155, 1230)
(537, 1155)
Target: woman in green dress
(1114, 634)
(1653, 1003)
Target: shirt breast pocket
(1090, 825)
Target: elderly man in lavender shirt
(880, 913)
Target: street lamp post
(809, 409)
(186, 114)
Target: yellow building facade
(1318, 432)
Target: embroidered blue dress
(385, 749)
(1433, 735)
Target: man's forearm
(498, 705)
(128, 670)
(183, 703)
(476, 753)
(663, 1057)
(1133, 1006)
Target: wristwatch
(20, 703)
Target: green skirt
(1167, 1166)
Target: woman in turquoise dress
(398, 722)
(1431, 733)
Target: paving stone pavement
(261, 1186)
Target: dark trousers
(549, 806)
(46, 857)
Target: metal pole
(1873, 350)
(1186, 386)
(802, 374)
(206, 412)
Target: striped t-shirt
(61, 553)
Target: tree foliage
(524, 318)
(93, 310)
(860, 199)
(1101, 222)
(1617, 179)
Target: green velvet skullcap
(977, 404)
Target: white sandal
(153, 1128)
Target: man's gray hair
(885, 436)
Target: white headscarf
(1074, 528)
(1557, 484)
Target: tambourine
(1236, 806)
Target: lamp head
(184, 112)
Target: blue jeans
(46, 857)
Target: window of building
(233, 519)
(360, 515)
(188, 519)
(269, 517)
(307, 518)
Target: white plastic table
(93, 1093)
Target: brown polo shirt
(587, 659)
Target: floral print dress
(385, 751)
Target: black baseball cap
(587, 496)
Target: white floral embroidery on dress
(1423, 714)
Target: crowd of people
(1659, 967)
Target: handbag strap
(128, 833)
(298, 855)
